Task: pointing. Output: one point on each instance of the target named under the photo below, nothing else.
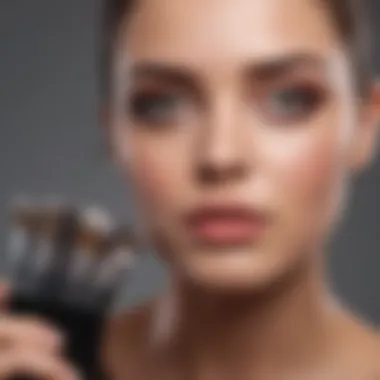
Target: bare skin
(31, 346)
(254, 311)
(237, 101)
(347, 349)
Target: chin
(237, 272)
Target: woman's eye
(293, 102)
(160, 108)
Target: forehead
(212, 31)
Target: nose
(221, 155)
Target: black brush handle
(81, 327)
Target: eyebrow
(168, 72)
(275, 68)
(266, 70)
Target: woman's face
(237, 124)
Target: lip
(226, 224)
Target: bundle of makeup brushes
(68, 254)
(66, 265)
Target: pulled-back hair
(350, 16)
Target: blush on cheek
(315, 172)
(151, 180)
(310, 173)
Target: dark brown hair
(350, 16)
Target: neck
(279, 327)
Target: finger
(26, 331)
(36, 366)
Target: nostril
(212, 172)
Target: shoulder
(374, 353)
(372, 350)
(361, 349)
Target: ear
(367, 135)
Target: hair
(350, 16)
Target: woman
(239, 124)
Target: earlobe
(367, 136)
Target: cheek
(150, 179)
(309, 171)
(156, 174)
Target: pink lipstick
(226, 224)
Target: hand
(30, 347)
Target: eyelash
(156, 108)
(306, 98)
(286, 104)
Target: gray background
(50, 141)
